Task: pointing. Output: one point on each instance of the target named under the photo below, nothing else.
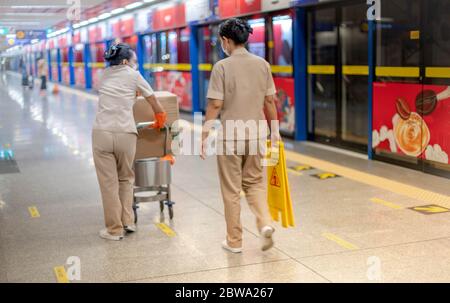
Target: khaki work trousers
(114, 157)
(242, 171)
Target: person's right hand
(275, 137)
(160, 120)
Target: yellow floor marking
(324, 176)
(294, 172)
(376, 181)
(166, 229)
(61, 274)
(386, 203)
(431, 209)
(301, 167)
(340, 241)
(34, 213)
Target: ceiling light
(93, 20)
(83, 23)
(134, 5)
(104, 16)
(77, 25)
(117, 11)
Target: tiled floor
(50, 136)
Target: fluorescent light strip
(104, 16)
(117, 11)
(134, 5)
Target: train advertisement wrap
(412, 120)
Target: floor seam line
(374, 247)
(206, 270)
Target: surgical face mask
(224, 49)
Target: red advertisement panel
(80, 76)
(228, 8)
(54, 72)
(115, 28)
(412, 120)
(178, 83)
(170, 17)
(76, 37)
(95, 33)
(249, 6)
(126, 27)
(65, 75)
(285, 101)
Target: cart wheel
(170, 212)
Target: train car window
(256, 41)
(282, 40)
(395, 48)
(437, 37)
(183, 47)
(173, 47)
(162, 48)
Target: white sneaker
(231, 249)
(130, 228)
(266, 236)
(106, 235)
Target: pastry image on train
(411, 135)
(427, 101)
(411, 132)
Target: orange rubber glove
(160, 120)
(169, 158)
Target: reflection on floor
(358, 227)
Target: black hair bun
(117, 53)
(244, 26)
(111, 52)
(235, 29)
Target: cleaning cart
(153, 177)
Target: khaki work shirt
(117, 95)
(242, 81)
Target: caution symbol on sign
(275, 179)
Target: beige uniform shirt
(117, 95)
(42, 68)
(242, 81)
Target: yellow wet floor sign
(430, 209)
(278, 193)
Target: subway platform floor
(357, 227)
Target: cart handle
(142, 125)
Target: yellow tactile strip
(376, 181)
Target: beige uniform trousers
(242, 172)
(114, 157)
